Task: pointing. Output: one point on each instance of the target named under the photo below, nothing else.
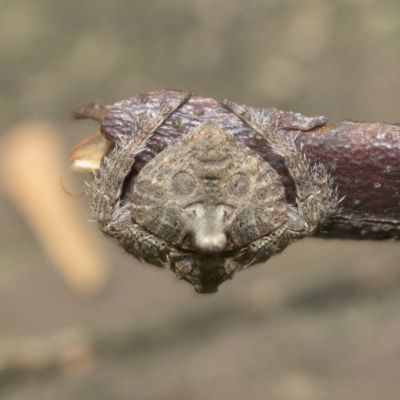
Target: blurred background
(321, 321)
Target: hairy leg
(113, 217)
(264, 248)
(316, 199)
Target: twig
(362, 158)
(31, 169)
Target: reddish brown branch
(362, 158)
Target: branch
(363, 159)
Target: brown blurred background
(321, 321)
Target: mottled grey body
(208, 206)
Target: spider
(207, 205)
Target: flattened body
(208, 205)
(205, 187)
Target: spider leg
(316, 199)
(145, 246)
(262, 249)
(113, 217)
(204, 271)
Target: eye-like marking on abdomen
(216, 194)
(183, 184)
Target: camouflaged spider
(207, 205)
